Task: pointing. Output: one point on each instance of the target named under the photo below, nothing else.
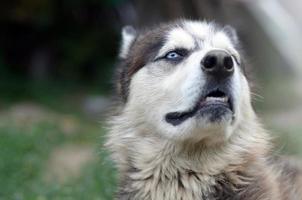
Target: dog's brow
(177, 38)
(197, 29)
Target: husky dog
(185, 128)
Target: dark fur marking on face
(143, 50)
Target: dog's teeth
(212, 98)
(223, 99)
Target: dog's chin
(211, 122)
(214, 114)
(216, 107)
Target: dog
(185, 128)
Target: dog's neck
(150, 153)
(152, 167)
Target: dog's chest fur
(168, 181)
(189, 185)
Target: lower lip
(216, 104)
(208, 103)
(203, 108)
(214, 112)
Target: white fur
(128, 36)
(199, 30)
(177, 38)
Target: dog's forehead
(190, 34)
(199, 30)
(187, 34)
(179, 37)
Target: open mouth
(216, 102)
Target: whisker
(257, 97)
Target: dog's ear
(232, 33)
(128, 36)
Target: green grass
(25, 150)
(28, 142)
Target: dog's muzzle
(216, 100)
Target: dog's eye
(172, 55)
(176, 55)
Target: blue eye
(176, 55)
(172, 55)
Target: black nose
(218, 63)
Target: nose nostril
(228, 63)
(210, 62)
(218, 64)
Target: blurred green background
(56, 64)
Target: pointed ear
(232, 33)
(128, 36)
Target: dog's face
(184, 81)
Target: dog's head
(184, 80)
